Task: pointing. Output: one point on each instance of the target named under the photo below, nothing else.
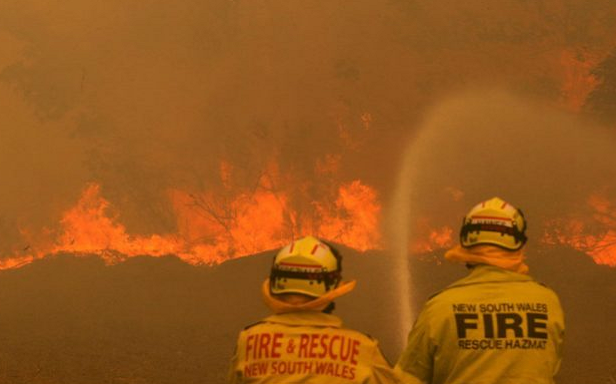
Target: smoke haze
(477, 145)
(437, 105)
(145, 97)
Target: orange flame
(87, 228)
(355, 221)
(595, 236)
(211, 228)
(430, 239)
(575, 233)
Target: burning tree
(593, 234)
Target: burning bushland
(213, 228)
(217, 129)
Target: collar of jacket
(308, 318)
(483, 273)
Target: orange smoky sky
(144, 98)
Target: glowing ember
(15, 262)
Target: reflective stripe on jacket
(491, 327)
(307, 347)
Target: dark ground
(74, 321)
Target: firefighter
(302, 342)
(497, 325)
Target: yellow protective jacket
(307, 347)
(491, 327)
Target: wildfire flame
(574, 233)
(432, 239)
(211, 228)
(595, 236)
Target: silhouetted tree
(602, 101)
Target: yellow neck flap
(318, 304)
(491, 255)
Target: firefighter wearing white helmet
(302, 342)
(497, 325)
(494, 222)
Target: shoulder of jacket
(542, 285)
(435, 294)
(359, 333)
(440, 297)
(253, 324)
